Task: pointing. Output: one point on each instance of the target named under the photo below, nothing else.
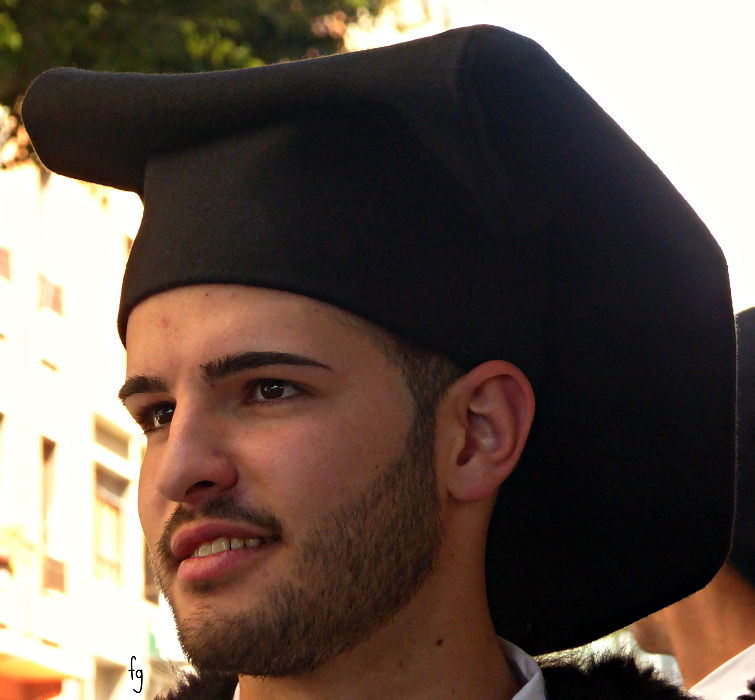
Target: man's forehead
(210, 321)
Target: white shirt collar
(730, 679)
(530, 675)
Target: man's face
(279, 435)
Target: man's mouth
(215, 549)
(212, 536)
(224, 558)
(222, 544)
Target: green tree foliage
(162, 36)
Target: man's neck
(442, 659)
(717, 623)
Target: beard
(358, 566)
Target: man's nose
(195, 464)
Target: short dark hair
(428, 374)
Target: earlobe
(495, 411)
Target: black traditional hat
(465, 193)
(742, 556)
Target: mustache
(223, 507)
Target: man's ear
(491, 411)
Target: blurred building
(79, 613)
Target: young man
(712, 632)
(353, 278)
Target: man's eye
(263, 390)
(155, 417)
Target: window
(111, 437)
(108, 524)
(5, 301)
(2, 420)
(54, 574)
(107, 679)
(50, 295)
(4, 263)
(53, 570)
(48, 487)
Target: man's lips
(189, 537)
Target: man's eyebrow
(217, 369)
(141, 384)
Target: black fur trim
(191, 686)
(751, 688)
(615, 677)
(605, 678)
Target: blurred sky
(678, 75)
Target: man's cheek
(149, 516)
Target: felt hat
(742, 556)
(465, 193)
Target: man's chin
(244, 644)
(186, 597)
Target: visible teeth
(221, 544)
